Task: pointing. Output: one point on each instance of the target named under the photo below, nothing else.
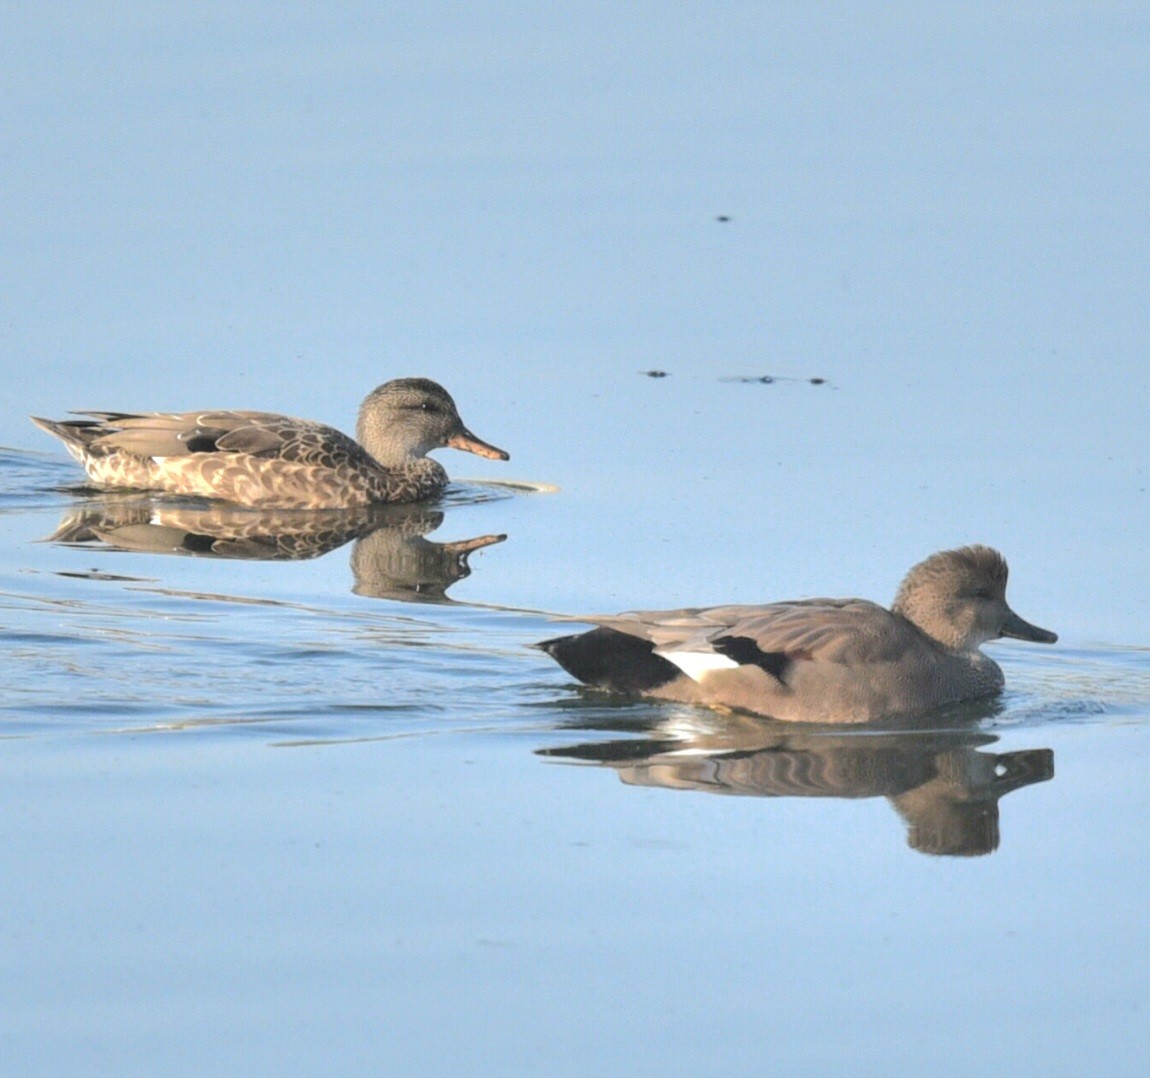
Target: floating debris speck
(770, 379)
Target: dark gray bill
(1015, 627)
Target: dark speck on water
(655, 374)
(770, 379)
(96, 574)
(722, 218)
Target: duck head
(958, 597)
(408, 417)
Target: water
(297, 796)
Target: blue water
(311, 804)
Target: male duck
(265, 460)
(816, 660)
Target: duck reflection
(391, 558)
(946, 789)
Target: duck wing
(843, 631)
(257, 434)
(774, 637)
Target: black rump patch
(609, 659)
(744, 651)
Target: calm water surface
(292, 794)
(332, 812)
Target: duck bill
(467, 441)
(466, 546)
(1018, 629)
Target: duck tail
(608, 659)
(72, 432)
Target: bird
(816, 660)
(265, 460)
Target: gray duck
(816, 660)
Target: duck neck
(389, 451)
(930, 621)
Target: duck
(264, 460)
(826, 661)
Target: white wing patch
(696, 664)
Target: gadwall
(274, 461)
(816, 660)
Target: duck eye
(983, 593)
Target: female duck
(817, 660)
(265, 460)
